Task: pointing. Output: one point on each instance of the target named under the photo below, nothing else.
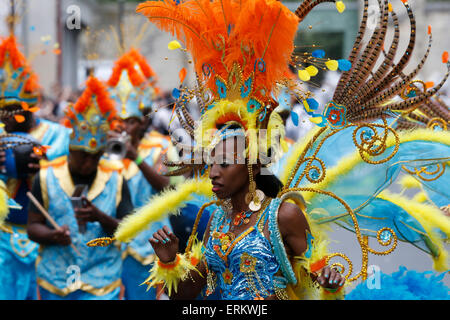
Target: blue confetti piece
(313, 104)
(294, 117)
(176, 93)
(32, 28)
(318, 53)
(344, 65)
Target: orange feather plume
(94, 87)
(219, 33)
(142, 62)
(9, 47)
(127, 62)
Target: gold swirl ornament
(427, 173)
(437, 123)
(101, 242)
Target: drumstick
(49, 218)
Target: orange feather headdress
(18, 83)
(231, 42)
(91, 117)
(240, 51)
(132, 84)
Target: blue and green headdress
(91, 117)
(132, 85)
(18, 83)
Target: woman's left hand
(330, 278)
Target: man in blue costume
(19, 89)
(67, 268)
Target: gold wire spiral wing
(368, 145)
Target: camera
(116, 148)
(18, 149)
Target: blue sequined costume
(247, 268)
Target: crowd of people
(103, 201)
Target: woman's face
(228, 172)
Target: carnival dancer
(65, 269)
(20, 91)
(132, 85)
(268, 239)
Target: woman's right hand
(165, 244)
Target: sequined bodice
(244, 267)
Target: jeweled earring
(254, 197)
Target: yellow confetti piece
(340, 6)
(304, 75)
(306, 105)
(316, 120)
(46, 38)
(173, 45)
(313, 71)
(332, 65)
(390, 7)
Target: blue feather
(404, 285)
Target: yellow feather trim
(420, 197)
(170, 277)
(409, 182)
(222, 110)
(276, 135)
(196, 253)
(3, 202)
(160, 206)
(430, 218)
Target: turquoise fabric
(57, 137)
(133, 275)
(17, 260)
(98, 266)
